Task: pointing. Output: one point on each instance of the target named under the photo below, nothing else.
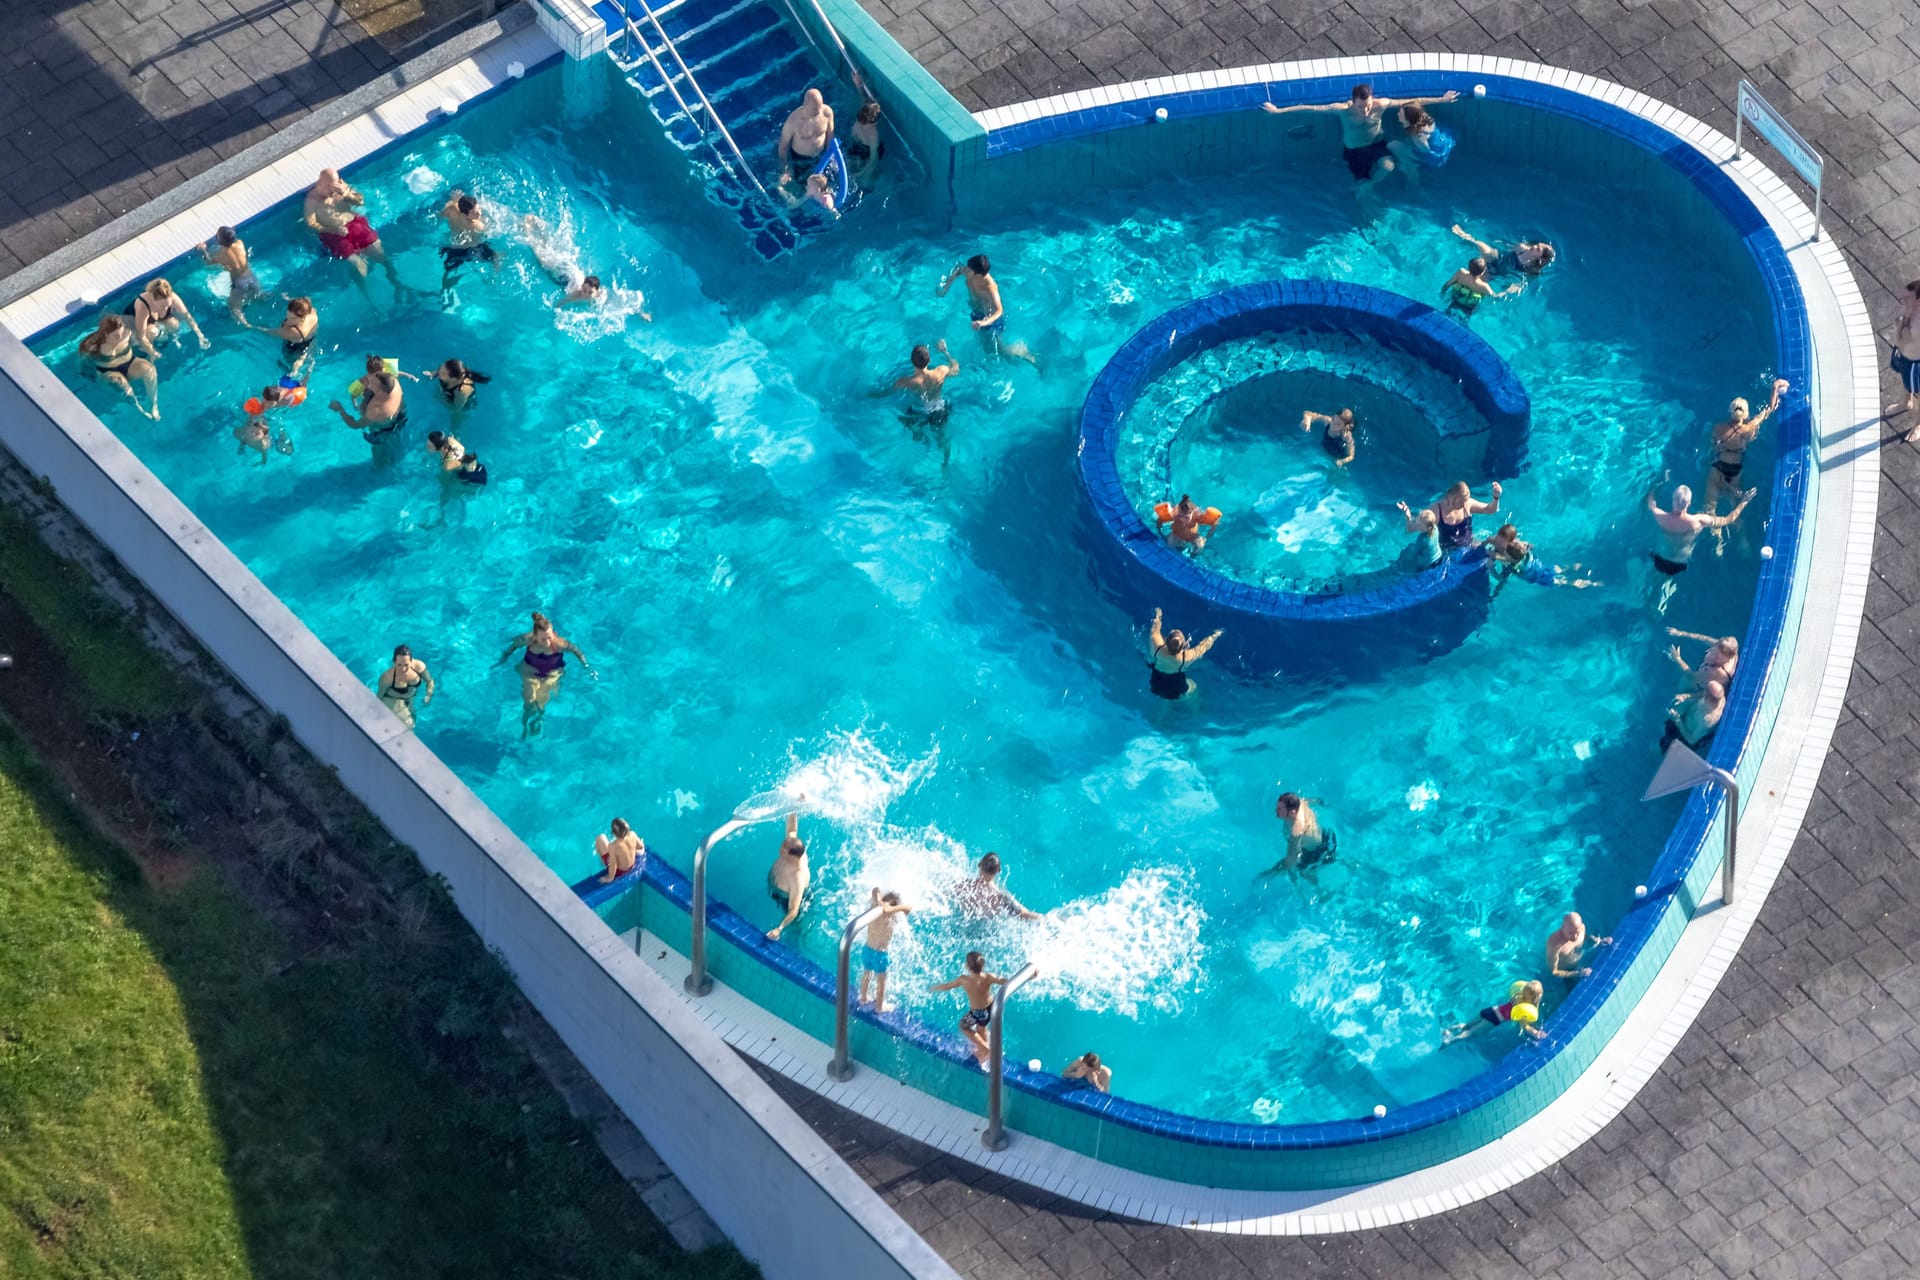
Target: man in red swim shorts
(332, 213)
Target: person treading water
(459, 385)
(543, 659)
(1517, 257)
(1363, 143)
(988, 312)
(1167, 665)
(466, 238)
(1183, 521)
(1337, 438)
(805, 136)
(1679, 529)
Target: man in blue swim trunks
(1363, 143)
(1905, 358)
(989, 315)
(873, 955)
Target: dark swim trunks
(1730, 470)
(1668, 567)
(1909, 371)
(1361, 160)
(454, 254)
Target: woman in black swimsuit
(1337, 439)
(159, 310)
(107, 353)
(401, 681)
(1167, 668)
(1454, 512)
(458, 383)
(296, 332)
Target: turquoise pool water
(781, 586)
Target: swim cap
(1525, 1013)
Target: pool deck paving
(107, 104)
(1783, 1136)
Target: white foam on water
(1154, 774)
(1137, 944)
(1422, 794)
(421, 180)
(850, 782)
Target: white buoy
(1639, 891)
(1033, 1064)
(1160, 114)
(1379, 1112)
(1479, 91)
(516, 69)
(448, 106)
(89, 299)
(1766, 553)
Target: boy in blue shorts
(873, 956)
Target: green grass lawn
(296, 1080)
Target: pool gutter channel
(1800, 732)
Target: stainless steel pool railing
(713, 121)
(846, 59)
(699, 982)
(995, 1137)
(841, 1068)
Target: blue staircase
(752, 68)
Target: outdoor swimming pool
(781, 585)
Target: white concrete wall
(779, 1191)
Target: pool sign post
(1682, 770)
(1770, 124)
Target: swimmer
(1418, 148)
(296, 332)
(456, 461)
(1679, 528)
(242, 284)
(1468, 287)
(789, 877)
(1088, 1067)
(458, 384)
(817, 192)
(1167, 666)
(1363, 144)
(255, 433)
(1694, 716)
(979, 985)
(1310, 846)
(1453, 513)
(1424, 551)
(357, 389)
(466, 237)
(805, 135)
(1512, 558)
(383, 410)
(1513, 257)
(1528, 994)
(1184, 525)
(1338, 438)
(1731, 440)
(157, 312)
(108, 354)
(619, 849)
(1904, 359)
(540, 668)
(400, 682)
(1568, 947)
(873, 955)
(331, 210)
(865, 147)
(588, 293)
(928, 381)
(989, 316)
(1720, 661)
(983, 897)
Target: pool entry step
(721, 76)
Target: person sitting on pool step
(157, 312)
(1720, 661)
(1694, 717)
(1338, 438)
(1363, 143)
(979, 985)
(1468, 288)
(988, 313)
(1167, 666)
(789, 878)
(1679, 529)
(864, 146)
(1521, 1009)
(619, 850)
(1424, 551)
(108, 354)
(1310, 846)
(1516, 257)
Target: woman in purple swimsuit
(540, 669)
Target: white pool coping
(1846, 425)
(1847, 388)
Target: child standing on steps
(873, 956)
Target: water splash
(851, 782)
(1137, 944)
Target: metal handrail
(713, 116)
(853, 72)
(633, 34)
(699, 982)
(841, 1068)
(995, 1137)
(1730, 813)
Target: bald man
(804, 137)
(331, 210)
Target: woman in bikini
(158, 311)
(458, 384)
(400, 682)
(1453, 515)
(541, 663)
(1167, 667)
(108, 354)
(1718, 664)
(1731, 440)
(242, 284)
(296, 332)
